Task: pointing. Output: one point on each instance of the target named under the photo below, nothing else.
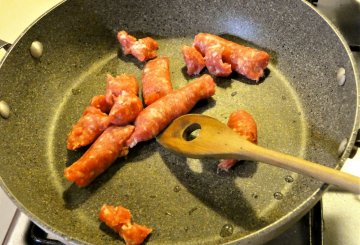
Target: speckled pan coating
(299, 107)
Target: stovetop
(335, 215)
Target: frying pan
(299, 106)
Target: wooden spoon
(216, 140)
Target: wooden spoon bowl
(215, 140)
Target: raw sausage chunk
(92, 123)
(194, 60)
(99, 101)
(214, 62)
(244, 124)
(119, 219)
(115, 217)
(126, 41)
(154, 118)
(143, 49)
(126, 108)
(115, 85)
(156, 80)
(101, 154)
(246, 61)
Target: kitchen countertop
(340, 209)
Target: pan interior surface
(185, 201)
(174, 195)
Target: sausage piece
(134, 234)
(99, 101)
(119, 219)
(91, 124)
(115, 85)
(126, 108)
(194, 60)
(101, 154)
(126, 41)
(115, 217)
(246, 61)
(156, 80)
(244, 124)
(143, 49)
(159, 114)
(214, 62)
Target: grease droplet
(177, 188)
(168, 213)
(289, 179)
(226, 230)
(278, 195)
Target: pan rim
(300, 210)
(356, 126)
(27, 29)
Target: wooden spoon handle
(328, 175)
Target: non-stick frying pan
(299, 106)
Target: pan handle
(4, 45)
